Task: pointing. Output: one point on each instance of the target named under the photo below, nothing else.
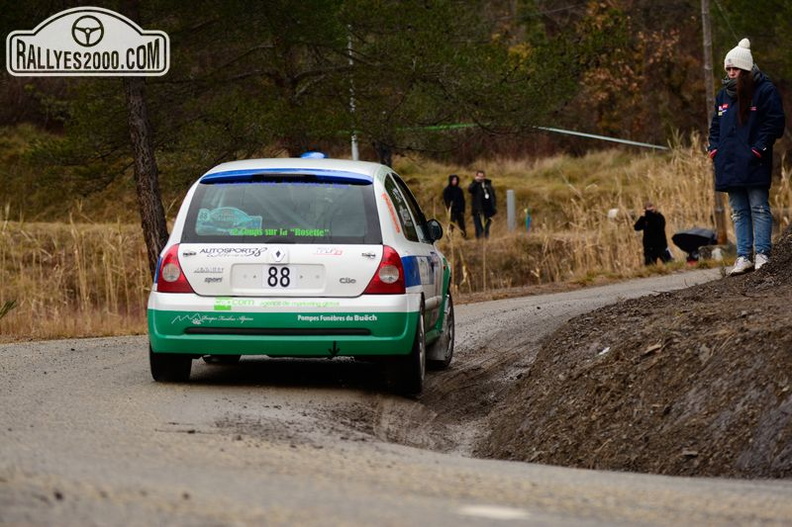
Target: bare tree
(152, 213)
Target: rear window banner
(229, 221)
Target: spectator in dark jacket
(655, 244)
(454, 200)
(748, 118)
(483, 203)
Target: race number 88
(278, 276)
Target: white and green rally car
(302, 258)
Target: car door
(426, 256)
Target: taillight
(170, 277)
(389, 278)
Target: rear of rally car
(275, 260)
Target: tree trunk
(384, 153)
(152, 213)
(709, 85)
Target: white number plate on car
(293, 277)
(248, 278)
(281, 276)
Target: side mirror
(435, 230)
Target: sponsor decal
(424, 270)
(328, 251)
(405, 215)
(392, 211)
(246, 232)
(417, 271)
(87, 42)
(198, 319)
(299, 303)
(297, 232)
(221, 252)
(228, 221)
(362, 317)
(209, 270)
(401, 205)
(228, 303)
(313, 233)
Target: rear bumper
(369, 325)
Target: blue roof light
(314, 154)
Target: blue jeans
(753, 223)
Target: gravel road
(87, 438)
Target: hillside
(695, 382)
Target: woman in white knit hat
(748, 118)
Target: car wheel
(170, 367)
(222, 359)
(440, 353)
(411, 369)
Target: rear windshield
(284, 209)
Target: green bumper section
(282, 334)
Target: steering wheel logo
(87, 31)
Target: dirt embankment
(695, 382)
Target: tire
(440, 353)
(225, 360)
(170, 367)
(411, 370)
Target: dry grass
(72, 280)
(573, 238)
(79, 279)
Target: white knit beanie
(740, 57)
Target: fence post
(511, 218)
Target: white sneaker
(761, 259)
(742, 265)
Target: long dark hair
(745, 91)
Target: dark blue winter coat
(736, 164)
